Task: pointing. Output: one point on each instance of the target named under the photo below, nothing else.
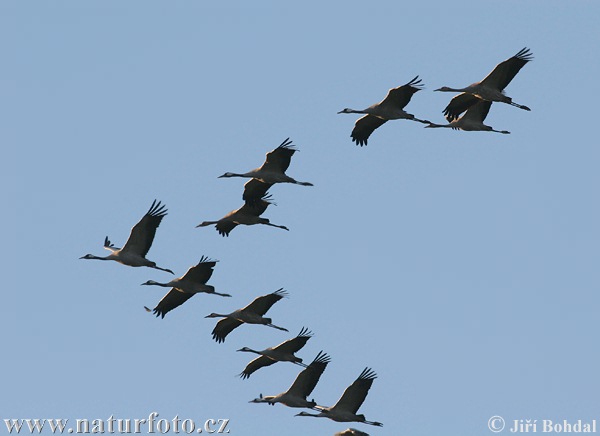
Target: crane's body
(472, 120)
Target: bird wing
(142, 234)
(478, 111)
(458, 105)
(355, 394)
(200, 273)
(255, 190)
(225, 225)
(308, 378)
(280, 158)
(295, 344)
(363, 128)
(400, 96)
(224, 327)
(261, 305)
(505, 71)
(256, 364)
(257, 207)
(173, 299)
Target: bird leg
(520, 106)
(276, 327)
(275, 225)
(163, 269)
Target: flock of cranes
(474, 101)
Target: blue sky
(460, 266)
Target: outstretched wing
(261, 305)
(142, 234)
(363, 128)
(355, 394)
(279, 159)
(295, 344)
(224, 227)
(308, 378)
(255, 190)
(478, 111)
(257, 207)
(255, 365)
(399, 97)
(173, 299)
(201, 272)
(224, 327)
(458, 105)
(505, 71)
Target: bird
(140, 240)
(472, 120)
(490, 89)
(248, 214)
(273, 169)
(185, 287)
(251, 314)
(283, 352)
(351, 432)
(304, 384)
(390, 108)
(352, 398)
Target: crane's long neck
(433, 125)
(164, 285)
(319, 415)
(207, 223)
(91, 256)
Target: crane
(390, 108)
(283, 352)
(274, 168)
(140, 240)
(185, 287)
(296, 395)
(248, 214)
(472, 120)
(349, 403)
(490, 89)
(251, 314)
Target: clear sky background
(460, 266)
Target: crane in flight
(296, 395)
(140, 240)
(390, 108)
(185, 287)
(253, 313)
(284, 352)
(490, 89)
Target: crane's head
(214, 315)
(444, 89)
(261, 399)
(227, 175)
(345, 111)
(150, 282)
(246, 349)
